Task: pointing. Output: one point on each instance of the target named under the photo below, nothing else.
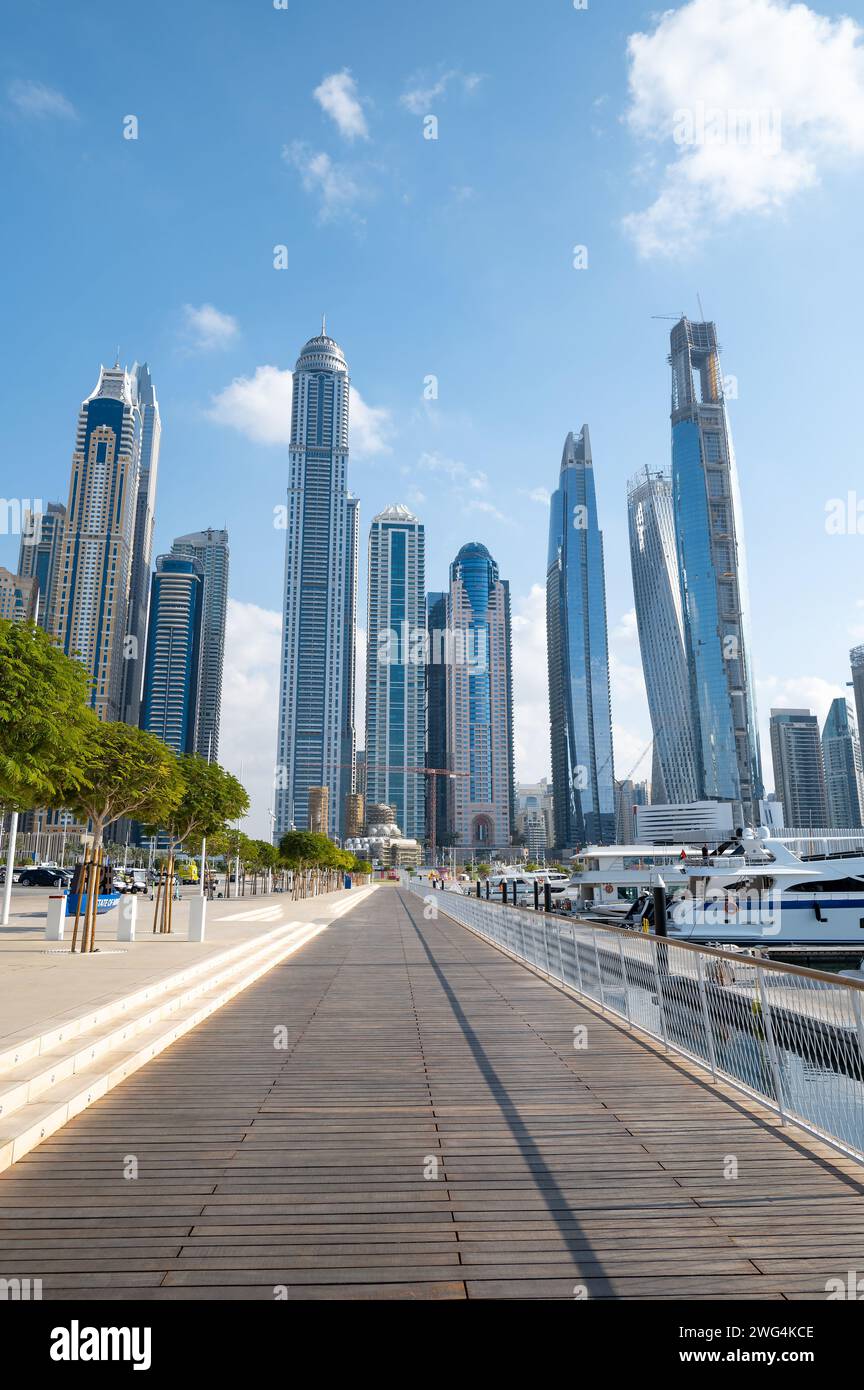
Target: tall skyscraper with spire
(142, 546)
(580, 704)
(210, 549)
(660, 622)
(93, 568)
(713, 576)
(316, 703)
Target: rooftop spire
(323, 325)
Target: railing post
(578, 962)
(773, 1059)
(599, 972)
(560, 954)
(624, 978)
(661, 1002)
(859, 1020)
(706, 1017)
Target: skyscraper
(856, 658)
(436, 712)
(171, 680)
(396, 668)
(19, 597)
(480, 702)
(92, 574)
(316, 704)
(580, 706)
(144, 394)
(841, 753)
(713, 576)
(37, 557)
(799, 771)
(660, 622)
(210, 549)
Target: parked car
(45, 878)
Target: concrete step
(45, 1089)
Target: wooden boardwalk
(410, 1047)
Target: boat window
(832, 885)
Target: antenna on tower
(323, 325)
(117, 358)
(701, 310)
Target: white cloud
(250, 698)
(250, 701)
(697, 77)
(418, 97)
(35, 99)
(337, 187)
(488, 508)
(539, 494)
(530, 686)
(337, 96)
(454, 469)
(259, 407)
(206, 328)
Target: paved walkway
(307, 1169)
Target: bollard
(478, 888)
(514, 892)
(197, 919)
(547, 897)
(55, 922)
(128, 918)
(503, 890)
(536, 896)
(487, 890)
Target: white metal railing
(789, 1036)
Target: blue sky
(303, 127)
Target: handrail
(750, 1025)
(735, 957)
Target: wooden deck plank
(411, 1044)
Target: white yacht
(753, 890)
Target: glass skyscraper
(93, 567)
(395, 667)
(41, 536)
(841, 752)
(659, 618)
(210, 549)
(799, 768)
(580, 706)
(713, 576)
(436, 708)
(316, 704)
(169, 707)
(142, 546)
(479, 702)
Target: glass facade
(316, 707)
(481, 805)
(210, 548)
(580, 708)
(92, 573)
(841, 753)
(713, 576)
(799, 769)
(659, 618)
(395, 668)
(169, 707)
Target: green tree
(124, 771)
(304, 849)
(210, 797)
(43, 708)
